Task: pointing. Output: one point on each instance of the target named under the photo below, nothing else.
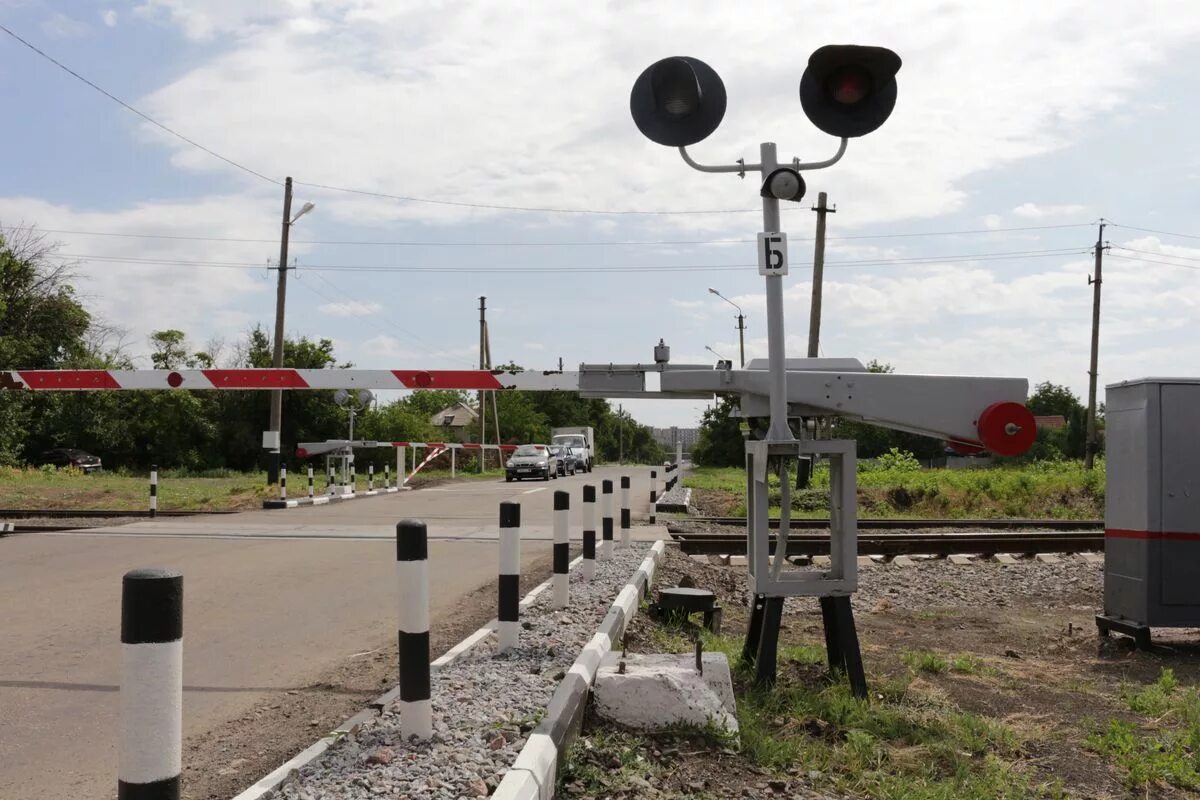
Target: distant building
(1051, 421)
(457, 421)
(667, 437)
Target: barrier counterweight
(509, 612)
(153, 490)
(653, 495)
(151, 700)
(412, 561)
(606, 520)
(588, 567)
(562, 553)
(626, 521)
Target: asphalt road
(274, 600)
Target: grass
(1054, 490)
(1165, 748)
(900, 745)
(178, 490)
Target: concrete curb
(322, 499)
(532, 776)
(676, 508)
(278, 775)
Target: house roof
(459, 415)
(1051, 421)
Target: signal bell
(677, 101)
(848, 90)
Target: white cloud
(109, 17)
(543, 120)
(536, 346)
(993, 221)
(64, 27)
(1034, 211)
(351, 308)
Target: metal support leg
(841, 641)
(768, 643)
(754, 630)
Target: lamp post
(741, 318)
(271, 436)
(715, 353)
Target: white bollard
(509, 612)
(310, 482)
(562, 549)
(330, 480)
(282, 482)
(606, 520)
(412, 561)
(625, 516)
(588, 567)
(151, 700)
(370, 477)
(153, 490)
(653, 495)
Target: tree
(720, 443)
(1049, 399)
(42, 326)
(875, 440)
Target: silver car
(531, 461)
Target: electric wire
(141, 114)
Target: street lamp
(271, 435)
(741, 323)
(714, 352)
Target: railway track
(893, 544)
(910, 524)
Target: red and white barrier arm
(117, 380)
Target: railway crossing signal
(848, 90)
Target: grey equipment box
(1152, 507)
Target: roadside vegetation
(896, 485)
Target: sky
(960, 245)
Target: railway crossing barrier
(151, 700)
(412, 562)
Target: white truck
(581, 439)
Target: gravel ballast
(485, 705)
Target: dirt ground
(1031, 660)
(221, 764)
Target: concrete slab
(659, 691)
(1007, 559)
(1048, 558)
(903, 561)
(1092, 558)
(960, 560)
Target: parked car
(71, 457)
(531, 461)
(567, 460)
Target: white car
(531, 461)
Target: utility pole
(814, 314)
(487, 340)
(482, 365)
(1089, 452)
(277, 357)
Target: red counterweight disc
(1007, 429)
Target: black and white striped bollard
(412, 561)
(330, 482)
(387, 476)
(310, 482)
(625, 518)
(282, 482)
(588, 568)
(151, 747)
(653, 495)
(508, 614)
(153, 490)
(370, 477)
(562, 549)
(606, 520)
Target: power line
(443, 243)
(1152, 230)
(1143, 260)
(499, 269)
(141, 114)
(1152, 253)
